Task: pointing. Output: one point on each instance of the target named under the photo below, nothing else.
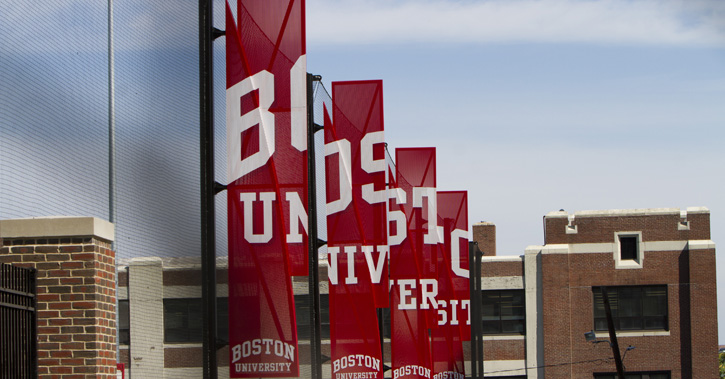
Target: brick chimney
(484, 233)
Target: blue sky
(536, 106)
(533, 106)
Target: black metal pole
(312, 236)
(474, 306)
(613, 335)
(208, 247)
(479, 305)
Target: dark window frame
(629, 251)
(503, 317)
(634, 308)
(124, 322)
(188, 326)
(302, 314)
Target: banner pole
(313, 240)
(208, 248)
(474, 323)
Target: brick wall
(484, 233)
(76, 299)
(688, 349)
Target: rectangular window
(633, 308)
(123, 323)
(628, 252)
(183, 323)
(302, 311)
(628, 247)
(636, 375)
(503, 312)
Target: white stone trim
(502, 258)
(637, 333)
(649, 246)
(504, 337)
(50, 227)
(534, 315)
(626, 212)
(504, 368)
(620, 263)
(502, 283)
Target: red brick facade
(76, 303)
(581, 251)
(687, 350)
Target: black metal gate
(18, 322)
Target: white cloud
(650, 22)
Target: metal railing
(18, 322)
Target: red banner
(453, 291)
(267, 175)
(413, 262)
(356, 227)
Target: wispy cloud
(631, 22)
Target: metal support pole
(313, 241)
(613, 335)
(208, 247)
(479, 305)
(474, 259)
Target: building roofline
(627, 212)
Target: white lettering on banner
(298, 103)
(456, 235)
(264, 82)
(356, 375)
(449, 375)
(428, 296)
(435, 232)
(451, 308)
(298, 216)
(405, 293)
(262, 367)
(342, 149)
(375, 269)
(351, 278)
(397, 218)
(411, 370)
(371, 166)
(377, 273)
(248, 199)
(263, 346)
(356, 360)
(446, 308)
(236, 125)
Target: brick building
(658, 266)
(76, 291)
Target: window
(633, 308)
(636, 375)
(302, 311)
(182, 320)
(124, 335)
(628, 247)
(503, 312)
(628, 251)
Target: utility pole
(613, 335)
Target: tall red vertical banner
(356, 227)
(453, 287)
(414, 239)
(267, 182)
